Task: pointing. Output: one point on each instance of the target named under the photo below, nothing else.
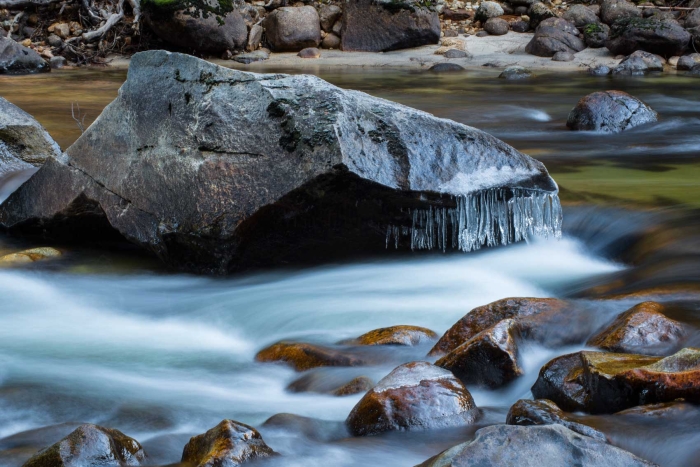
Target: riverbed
(114, 339)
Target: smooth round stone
(309, 52)
(456, 53)
(600, 70)
(446, 67)
(563, 57)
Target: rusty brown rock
(641, 329)
(229, 443)
(355, 386)
(91, 445)
(302, 356)
(599, 382)
(396, 335)
(545, 412)
(489, 359)
(414, 396)
(525, 311)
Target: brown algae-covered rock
(302, 356)
(230, 443)
(395, 335)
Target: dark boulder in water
(395, 335)
(534, 446)
(230, 443)
(415, 396)
(609, 112)
(91, 445)
(311, 428)
(639, 63)
(216, 170)
(545, 412)
(599, 382)
(302, 356)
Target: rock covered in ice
(415, 396)
(217, 170)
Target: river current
(109, 339)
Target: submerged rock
(251, 57)
(534, 446)
(537, 318)
(29, 256)
(216, 170)
(490, 358)
(609, 112)
(15, 59)
(598, 382)
(24, 143)
(323, 382)
(395, 335)
(415, 396)
(312, 428)
(656, 35)
(545, 412)
(555, 35)
(446, 67)
(516, 73)
(384, 25)
(91, 445)
(642, 329)
(229, 443)
(301, 356)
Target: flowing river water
(113, 339)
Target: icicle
(486, 218)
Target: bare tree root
(109, 24)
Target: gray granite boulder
(383, 25)
(15, 59)
(580, 16)
(291, 29)
(216, 170)
(534, 446)
(555, 35)
(24, 143)
(614, 10)
(660, 36)
(639, 63)
(488, 10)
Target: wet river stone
(642, 329)
(609, 112)
(537, 318)
(545, 412)
(598, 382)
(639, 63)
(216, 171)
(325, 382)
(534, 446)
(23, 141)
(91, 445)
(301, 356)
(490, 358)
(415, 396)
(395, 335)
(230, 443)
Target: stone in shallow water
(303, 356)
(609, 112)
(312, 428)
(446, 67)
(230, 443)
(327, 382)
(415, 396)
(515, 73)
(217, 170)
(251, 57)
(598, 382)
(16, 59)
(91, 445)
(395, 335)
(642, 329)
(545, 412)
(534, 446)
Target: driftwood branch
(17, 4)
(109, 24)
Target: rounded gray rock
(291, 29)
(563, 57)
(488, 10)
(580, 16)
(445, 67)
(456, 53)
(609, 112)
(15, 59)
(515, 73)
(496, 26)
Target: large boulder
(660, 36)
(598, 382)
(580, 16)
(24, 143)
(195, 31)
(290, 29)
(609, 112)
(383, 25)
(229, 443)
(490, 358)
(642, 329)
(542, 319)
(15, 59)
(639, 63)
(555, 35)
(415, 396)
(91, 445)
(545, 412)
(534, 446)
(216, 170)
(614, 10)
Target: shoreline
(491, 51)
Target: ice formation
(485, 218)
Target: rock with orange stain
(302, 356)
(229, 443)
